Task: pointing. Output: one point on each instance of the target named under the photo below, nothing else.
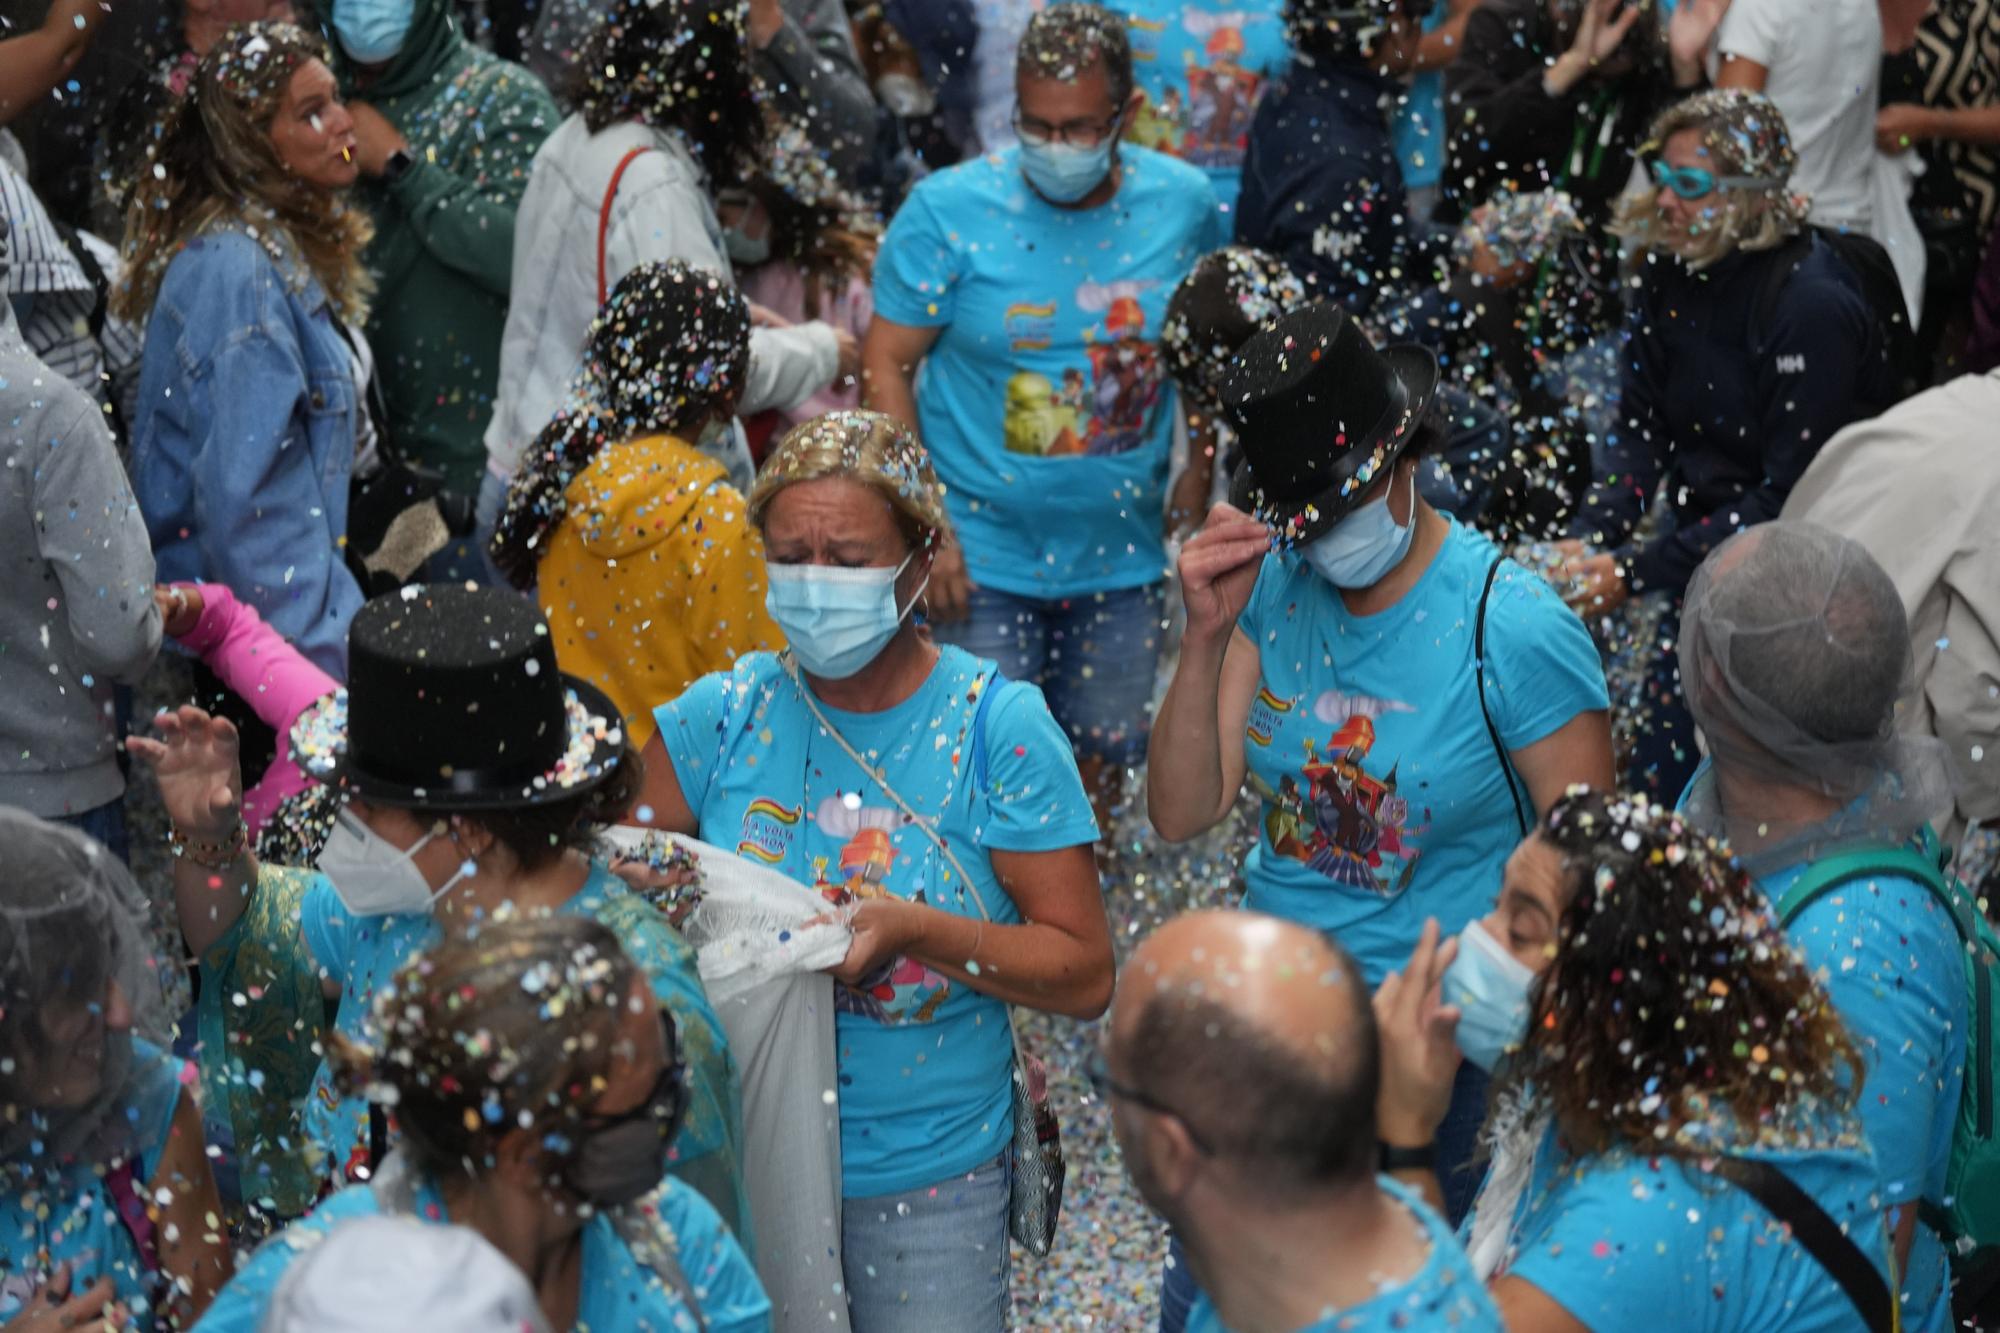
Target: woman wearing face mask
(1673, 1127)
(1401, 698)
(1753, 341)
(243, 259)
(821, 762)
(538, 1089)
(107, 1203)
(472, 777)
(650, 573)
(1032, 286)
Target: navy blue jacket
(1734, 413)
(1321, 185)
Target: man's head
(1794, 647)
(1241, 1065)
(1074, 94)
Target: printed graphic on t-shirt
(1106, 410)
(1341, 814)
(1204, 116)
(900, 990)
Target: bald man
(1241, 1068)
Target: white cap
(377, 1273)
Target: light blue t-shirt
(1621, 1241)
(1202, 65)
(1044, 402)
(1417, 125)
(618, 1295)
(923, 1061)
(363, 954)
(1442, 1295)
(1384, 802)
(72, 1217)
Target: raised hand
(1419, 1043)
(1218, 568)
(201, 779)
(1689, 32)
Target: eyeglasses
(1696, 183)
(1075, 133)
(1106, 1087)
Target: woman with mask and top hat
(539, 1087)
(1673, 1127)
(938, 808)
(1401, 698)
(470, 777)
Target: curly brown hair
(214, 163)
(1673, 996)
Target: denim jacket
(244, 440)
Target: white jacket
(662, 211)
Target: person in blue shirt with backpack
(1752, 341)
(937, 808)
(1795, 649)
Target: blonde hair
(1744, 134)
(869, 449)
(214, 163)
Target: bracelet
(211, 855)
(1408, 1159)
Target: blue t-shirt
(1203, 64)
(1384, 802)
(1442, 1295)
(924, 1087)
(1044, 401)
(72, 1218)
(1417, 126)
(1617, 1237)
(364, 952)
(618, 1295)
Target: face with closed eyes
(312, 132)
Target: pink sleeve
(267, 672)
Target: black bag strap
(1479, 669)
(1832, 1248)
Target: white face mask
(372, 876)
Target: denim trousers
(931, 1258)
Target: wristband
(1408, 1159)
(211, 855)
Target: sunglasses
(1106, 1087)
(1696, 183)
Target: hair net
(1794, 651)
(72, 924)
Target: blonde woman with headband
(935, 805)
(1751, 342)
(242, 257)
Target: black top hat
(454, 701)
(1320, 414)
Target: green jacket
(443, 254)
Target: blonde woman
(242, 254)
(1751, 343)
(768, 757)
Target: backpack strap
(1776, 278)
(1830, 873)
(1479, 670)
(1822, 1237)
(604, 218)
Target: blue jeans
(932, 1258)
(1095, 656)
(106, 823)
(1458, 1178)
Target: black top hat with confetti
(1320, 413)
(454, 701)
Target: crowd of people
(605, 592)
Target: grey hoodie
(76, 587)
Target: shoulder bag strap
(604, 218)
(1832, 1248)
(1479, 669)
(987, 684)
(1826, 875)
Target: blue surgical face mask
(1490, 988)
(1063, 173)
(837, 620)
(372, 31)
(1363, 547)
(745, 249)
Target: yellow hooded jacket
(654, 577)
